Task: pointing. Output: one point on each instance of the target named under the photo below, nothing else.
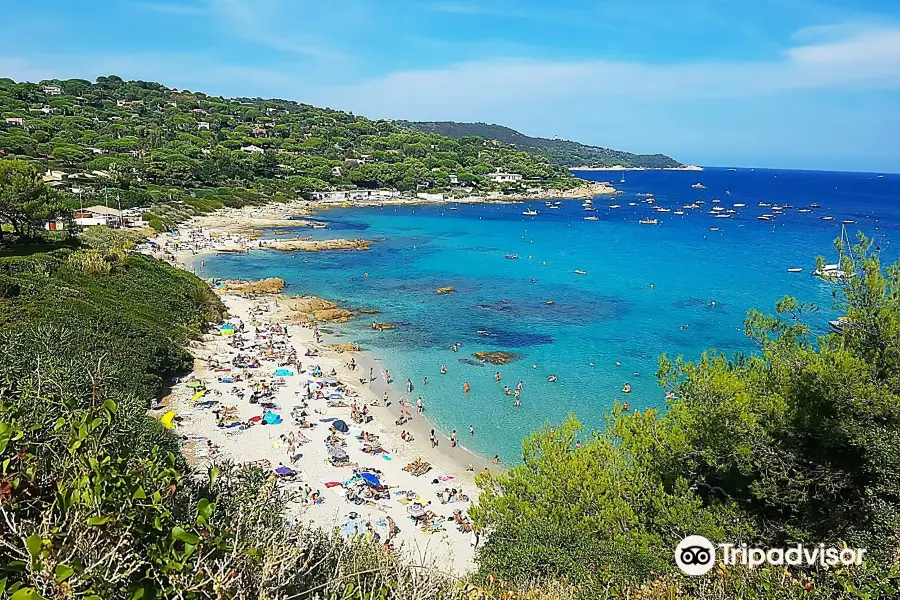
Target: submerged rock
(496, 357)
(369, 311)
(445, 290)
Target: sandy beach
(226, 422)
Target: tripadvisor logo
(695, 555)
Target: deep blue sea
(676, 287)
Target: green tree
(26, 201)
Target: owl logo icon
(695, 555)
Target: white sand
(450, 549)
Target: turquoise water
(703, 282)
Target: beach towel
(284, 373)
(168, 419)
(331, 484)
(198, 395)
(328, 420)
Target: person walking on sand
(420, 406)
(387, 376)
(433, 439)
(371, 374)
(453, 439)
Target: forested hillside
(151, 143)
(560, 152)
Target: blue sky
(777, 83)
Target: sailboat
(834, 271)
(623, 178)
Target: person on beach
(385, 399)
(496, 459)
(443, 370)
(408, 385)
(433, 439)
(453, 439)
(420, 407)
(387, 376)
(371, 374)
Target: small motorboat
(580, 272)
(678, 212)
(319, 225)
(795, 270)
(804, 210)
(814, 205)
(512, 256)
(763, 217)
(698, 186)
(611, 206)
(739, 205)
(592, 218)
(848, 221)
(649, 221)
(828, 218)
(530, 213)
(713, 228)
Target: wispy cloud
(866, 59)
(171, 8)
(264, 22)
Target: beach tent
(340, 426)
(168, 419)
(284, 373)
(370, 479)
(271, 418)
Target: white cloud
(264, 22)
(865, 59)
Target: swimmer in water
(552, 379)
(443, 370)
(497, 376)
(618, 363)
(466, 387)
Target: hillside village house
(15, 121)
(203, 125)
(251, 148)
(430, 197)
(348, 195)
(52, 90)
(54, 176)
(499, 177)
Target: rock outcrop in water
(445, 290)
(309, 309)
(496, 357)
(305, 245)
(272, 285)
(348, 347)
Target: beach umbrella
(284, 470)
(198, 395)
(167, 420)
(194, 384)
(416, 510)
(370, 479)
(340, 426)
(338, 453)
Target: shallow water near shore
(703, 283)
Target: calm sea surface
(703, 283)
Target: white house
(430, 197)
(500, 177)
(53, 176)
(16, 121)
(251, 148)
(203, 125)
(52, 90)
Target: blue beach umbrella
(370, 479)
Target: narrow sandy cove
(443, 545)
